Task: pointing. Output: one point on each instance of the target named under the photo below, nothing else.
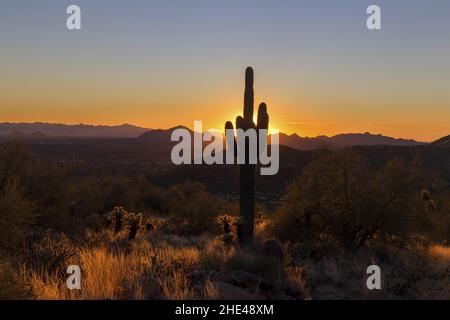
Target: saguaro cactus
(247, 188)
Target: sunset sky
(163, 63)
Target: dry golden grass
(104, 276)
(406, 274)
(214, 256)
(138, 270)
(210, 292)
(295, 277)
(13, 283)
(49, 289)
(161, 266)
(176, 286)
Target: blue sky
(163, 63)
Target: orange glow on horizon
(307, 118)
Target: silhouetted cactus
(247, 189)
(227, 236)
(134, 223)
(225, 222)
(117, 216)
(425, 195)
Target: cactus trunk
(247, 191)
(118, 226)
(247, 196)
(132, 233)
(247, 172)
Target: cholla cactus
(227, 239)
(425, 195)
(134, 223)
(226, 222)
(117, 217)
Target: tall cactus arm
(248, 96)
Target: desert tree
(342, 196)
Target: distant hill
(162, 136)
(303, 143)
(442, 142)
(159, 136)
(40, 130)
(36, 134)
(343, 140)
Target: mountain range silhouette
(40, 130)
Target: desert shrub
(273, 248)
(343, 196)
(100, 193)
(16, 162)
(309, 250)
(440, 220)
(16, 215)
(47, 186)
(194, 208)
(266, 267)
(17, 212)
(154, 198)
(407, 274)
(41, 183)
(118, 190)
(88, 196)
